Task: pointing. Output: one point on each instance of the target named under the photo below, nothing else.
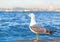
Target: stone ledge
(49, 40)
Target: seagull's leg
(36, 38)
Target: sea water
(15, 25)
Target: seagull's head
(31, 15)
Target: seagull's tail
(51, 32)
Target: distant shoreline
(19, 9)
(29, 11)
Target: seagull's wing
(39, 29)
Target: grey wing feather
(38, 29)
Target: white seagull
(37, 29)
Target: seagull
(36, 28)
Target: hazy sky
(29, 3)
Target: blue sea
(15, 25)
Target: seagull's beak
(27, 14)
